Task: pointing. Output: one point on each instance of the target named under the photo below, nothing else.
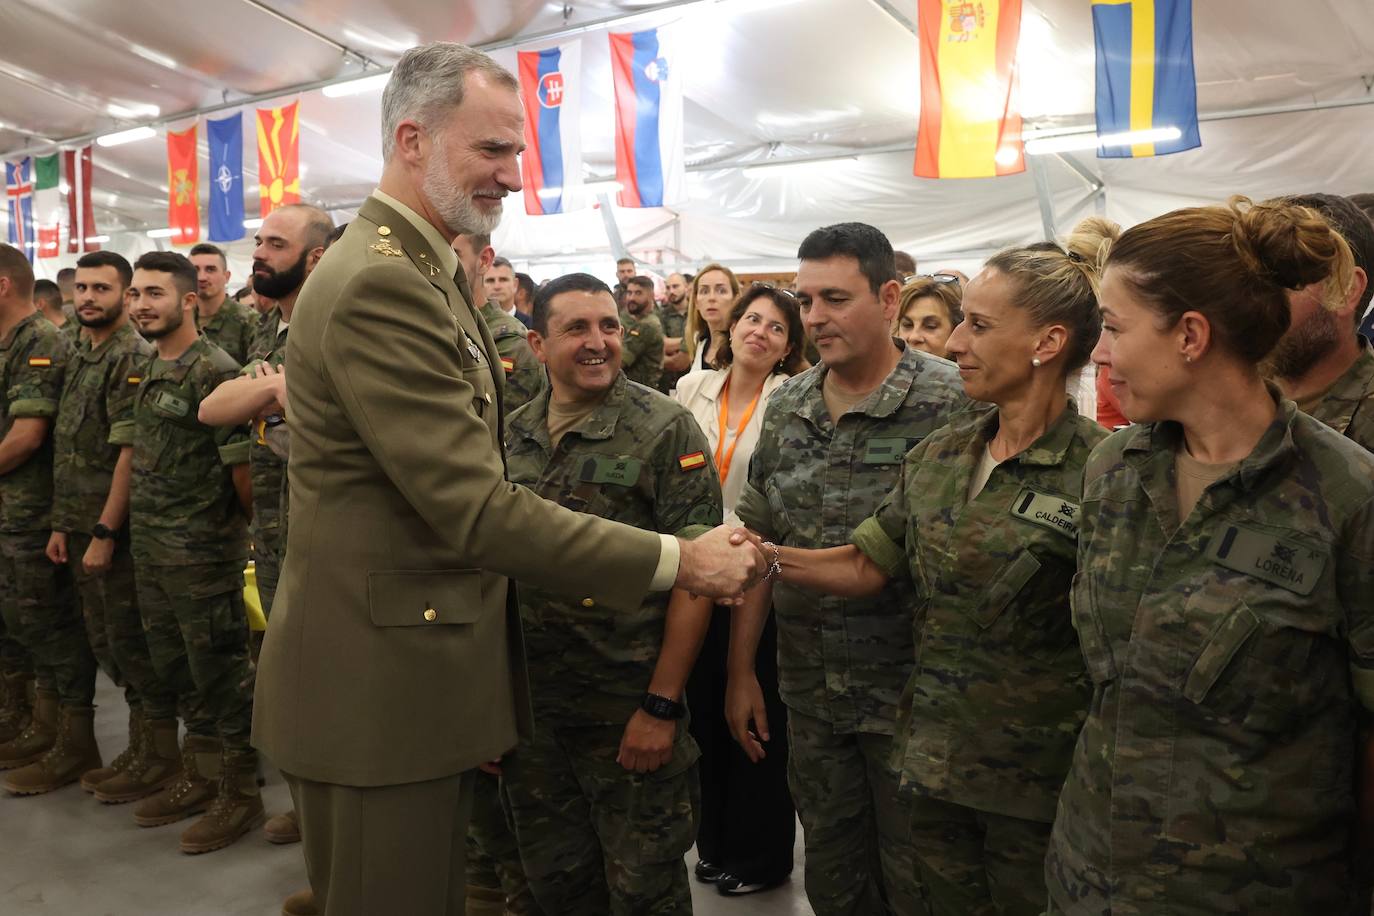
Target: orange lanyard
(723, 464)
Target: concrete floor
(64, 853)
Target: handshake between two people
(725, 563)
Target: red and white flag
(80, 212)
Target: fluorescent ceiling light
(133, 111)
(96, 239)
(126, 136)
(773, 165)
(252, 223)
(160, 233)
(1072, 142)
(374, 83)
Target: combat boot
(237, 807)
(193, 789)
(15, 705)
(283, 828)
(35, 740)
(73, 753)
(301, 903)
(156, 763)
(93, 778)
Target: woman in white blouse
(747, 824)
(760, 349)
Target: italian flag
(48, 208)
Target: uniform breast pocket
(1255, 668)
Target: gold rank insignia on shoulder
(383, 231)
(385, 247)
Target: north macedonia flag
(279, 167)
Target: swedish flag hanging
(1145, 77)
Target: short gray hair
(427, 83)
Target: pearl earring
(1035, 362)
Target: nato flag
(226, 178)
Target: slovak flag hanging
(648, 117)
(551, 166)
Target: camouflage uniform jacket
(639, 459)
(673, 322)
(232, 328)
(643, 347)
(989, 717)
(1230, 655)
(34, 358)
(1348, 406)
(267, 468)
(95, 419)
(183, 508)
(524, 374)
(810, 483)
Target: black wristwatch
(101, 533)
(662, 707)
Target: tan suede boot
(193, 789)
(156, 763)
(282, 828)
(73, 753)
(35, 740)
(237, 807)
(16, 706)
(92, 778)
(301, 903)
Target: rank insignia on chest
(622, 472)
(1052, 512)
(1287, 564)
(385, 247)
(40, 362)
(885, 451)
(135, 379)
(507, 364)
(692, 461)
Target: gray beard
(455, 208)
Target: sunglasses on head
(938, 278)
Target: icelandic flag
(19, 196)
(551, 166)
(648, 117)
(225, 138)
(1145, 78)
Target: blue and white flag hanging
(19, 197)
(225, 138)
(649, 160)
(551, 166)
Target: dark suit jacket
(393, 654)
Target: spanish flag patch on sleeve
(40, 362)
(507, 364)
(691, 461)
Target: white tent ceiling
(765, 78)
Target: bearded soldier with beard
(1322, 362)
(393, 663)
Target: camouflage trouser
(14, 658)
(39, 606)
(975, 863)
(197, 633)
(109, 606)
(267, 568)
(856, 823)
(493, 857)
(595, 839)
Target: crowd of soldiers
(953, 726)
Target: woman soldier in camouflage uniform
(984, 521)
(1226, 564)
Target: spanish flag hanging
(279, 171)
(970, 127)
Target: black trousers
(748, 825)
